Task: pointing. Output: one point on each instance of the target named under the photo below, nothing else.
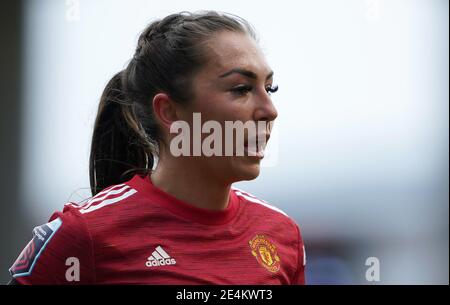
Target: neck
(184, 180)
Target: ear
(165, 109)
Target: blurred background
(360, 153)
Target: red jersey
(135, 233)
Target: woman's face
(232, 86)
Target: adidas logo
(159, 257)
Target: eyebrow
(245, 73)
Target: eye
(241, 90)
(272, 89)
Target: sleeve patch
(24, 264)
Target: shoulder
(258, 206)
(44, 259)
(114, 196)
(71, 232)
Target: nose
(265, 110)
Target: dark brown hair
(169, 52)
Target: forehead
(230, 50)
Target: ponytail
(120, 146)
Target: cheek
(218, 106)
(213, 109)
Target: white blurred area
(362, 129)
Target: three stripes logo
(159, 257)
(107, 197)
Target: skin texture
(205, 181)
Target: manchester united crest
(265, 253)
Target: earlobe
(164, 110)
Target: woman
(160, 218)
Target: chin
(248, 172)
(236, 170)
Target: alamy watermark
(212, 138)
(373, 272)
(73, 272)
(372, 10)
(72, 10)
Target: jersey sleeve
(60, 252)
(299, 276)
